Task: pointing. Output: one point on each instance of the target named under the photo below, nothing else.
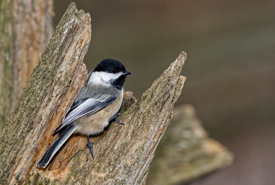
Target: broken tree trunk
(122, 154)
(26, 27)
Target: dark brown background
(230, 67)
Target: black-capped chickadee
(96, 105)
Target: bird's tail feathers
(57, 144)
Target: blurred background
(230, 68)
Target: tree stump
(122, 153)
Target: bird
(96, 105)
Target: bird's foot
(115, 118)
(90, 146)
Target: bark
(186, 152)
(54, 81)
(27, 28)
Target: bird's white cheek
(103, 77)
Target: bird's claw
(115, 118)
(90, 146)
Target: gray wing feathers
(90, 106)
(89, 101)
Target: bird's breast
(94, 124)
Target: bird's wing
(86, 106)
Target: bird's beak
(127, 73)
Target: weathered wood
(51, 89)
(186, 152)
(26, 27)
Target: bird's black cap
(110, 66)
(113, 66)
